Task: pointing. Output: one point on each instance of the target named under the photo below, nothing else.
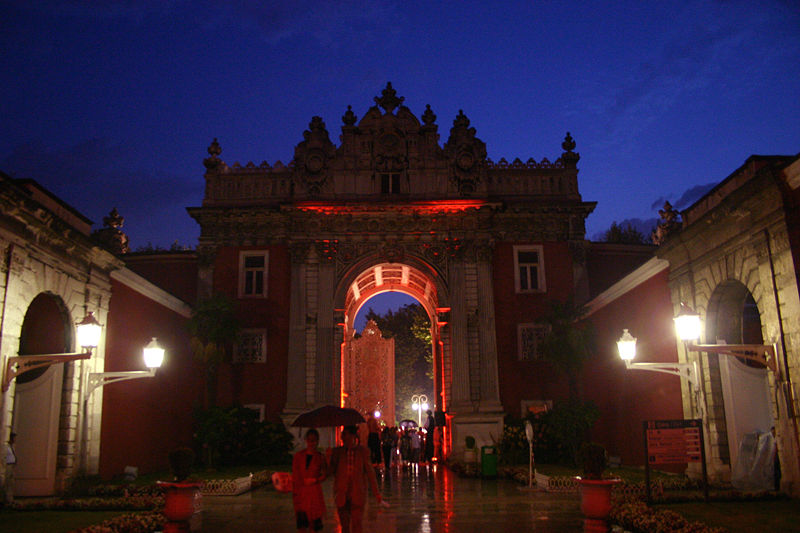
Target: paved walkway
(435, 500)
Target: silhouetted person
(351, 465)
(11, 463)
(430, 427)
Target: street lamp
(419, 403)
(153, 356)
(88, 337)
(627, 352)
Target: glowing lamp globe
(687, 325)
(626, 346)
(153, 354)
(88, 331)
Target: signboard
(673, 441)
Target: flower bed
(128, 523)
(142, 502)
(635, 516)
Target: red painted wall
(257, 383)
(143, 419)
(626, 398)
(526, 380)
(175, 272)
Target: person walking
(416, 446)
(352, 469)
(388, 443)
(374, 439)
(309, 470)
(430, 427)
(11, 463)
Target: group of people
(352, 469)
(401, 446)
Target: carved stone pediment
(312, 158)
(467, 155)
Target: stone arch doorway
(37, 397)
(734, 318)
(422, 282)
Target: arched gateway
(391, 209)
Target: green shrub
(230, 436)
(560, 432)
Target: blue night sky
(113, 103)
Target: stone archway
(37, 396)
(734, 318)
(419, 280)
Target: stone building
(52, 274)
(734, 261)
(483, 247)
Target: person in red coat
(352, 466)
(309, 469)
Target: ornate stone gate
(391, 209)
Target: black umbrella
(327, 416)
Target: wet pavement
(434, 500)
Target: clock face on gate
(390, 141)
(314, 162)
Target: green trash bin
(488, 461)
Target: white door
(745, 391)
(36, 414)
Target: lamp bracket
(761, 353)
(18, 365)
(100, 379)
(686, 370)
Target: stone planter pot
(596, 503)
(182, 500)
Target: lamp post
(153, 356)
(419, 403)
(627, 352)
(88, 337)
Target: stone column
(460, 398)
(324, 390)
(490, 392)
(296, 371)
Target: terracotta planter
(181, 501)
(596, 503)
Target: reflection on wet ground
(432, 500)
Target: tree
(214, 328)
(410, 328)
(568, 343)
(626, 234)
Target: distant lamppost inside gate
(419, 403)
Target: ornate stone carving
(669, 224)
(569, 157)
(428, 117)
(389, 99)
(467, 154)
(349, 118)
(298, 252)
(111, 237)
(312, 157)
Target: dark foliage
(234, 436)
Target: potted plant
(181, 496)
(595, 489)
(470, 453)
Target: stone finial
(110, 236)
(349, 118)
(428, 117)
(569, 143)
(214, 150)
(569, 158)
(669, 224)
(461, 120)
(389, 99)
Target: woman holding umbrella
(309, 470)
